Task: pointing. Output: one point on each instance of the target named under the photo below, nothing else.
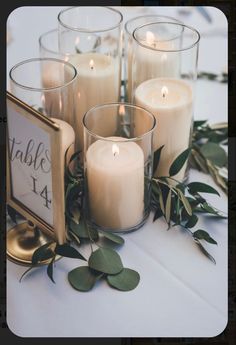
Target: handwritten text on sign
(29, 153)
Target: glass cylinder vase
(48, 85)
(91, 37)
(130, 26)
(118, 166)
(163, 80)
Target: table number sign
(36, 168)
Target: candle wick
(91, 67)
(115, 153)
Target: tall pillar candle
(115, 178)
(171, 102)
(98, 82)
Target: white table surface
(181, 293)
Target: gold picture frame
(55, 230)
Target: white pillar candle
(66, 150)
(151, 63)
(98, 82)
(170, 101)
(115, 175)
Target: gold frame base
(22, 240)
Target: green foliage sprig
(178, 203)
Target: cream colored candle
(98, 82)
(67, 149)
(170, 101)
(151, 63)
(115, 175)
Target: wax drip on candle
(115, 149)
(164, 91)
(91, 64)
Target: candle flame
(150, 38)
(66, 58)
(122, 110)
(164, 91)
(115, 149)
(91, 64)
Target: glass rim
(87, 30)
(29, 88)
(117, 104)
(170, 50)
(145, 16)
(41, 37)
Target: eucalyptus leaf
(69, 252)
(168, 207)
(158, 214)
(161, 203)
(28, 270)
(215, 153)
(199, 187)
(82, 230)
(192, 221)
(199, 123)
(203, 235)
(179, 162)
(126, 280)
(105, 260)
(112, 237)
(42, 253)
(204, 251)
(185, 203)
(83, 278)
(156, 158)
(50, 269)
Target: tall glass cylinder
(118, 165)
(130, 26)
(48, 85)
(163, 80)
(91, 37)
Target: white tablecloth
(181, 293)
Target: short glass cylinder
(130, 26)
(165, 57)
(46, 84)
(91, 38)
(118, 159)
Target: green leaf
(179, 162)
(42, 253)
(83, 278)
(157, 214)
(161, 203)
(192, 221)
(50, 269)
(199, 187)
(203, 235)
(185, 203)
(74, 156)
(112, 237)
(204, 251)
(215, 153)
(105, 260)
(126, 280)
(67, 251)
(199, 123)
(82, 230)
(168, 207)
(156, 158)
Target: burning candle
(115, 177)
(170, 101)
